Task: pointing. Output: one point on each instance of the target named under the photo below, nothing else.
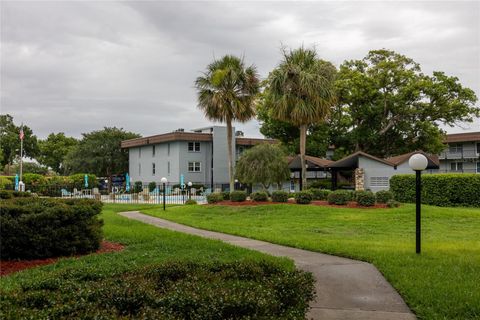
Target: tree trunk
(230, 157)
(303, 141)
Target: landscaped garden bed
(349, 204)
(11, 266)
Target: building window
(456, 166)
(478, 147)
(194, 147)
(379, 182)
(194, 166)
(240, 150)
(168, 167)
(455, 148)
(139, 169)
(478, 167)
(153, 169)
(168, 149)
(140, 152)
(153, 151)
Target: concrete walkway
(346, 289)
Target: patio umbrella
(85, 178)
(16, 182)
(127, 182)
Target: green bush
(9, 194)
(238, 196)
(339, 197)
(33, 228)
(365, 198)
(214, 197)
(303, 197)
(383, 196)
(7, 182)
(319, 194)
(393, 204)
(78, 180)
(279, 196)
(259, 196)
(241, 289)
(226, 195)
(190, 202)
(151, 186)
(138, 186)
(445, 190)
(321, 184)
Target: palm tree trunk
(230, 157)
(303, 141)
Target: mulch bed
(351, 204)
(10, 266)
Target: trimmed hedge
(444, 190)
(365, 198)
(214, 197)
(260, 196)
(238, 196)
(33, 228)
(339, 197)
(320, 194)
(279, 196)
(9, 194)
(242, 289)
(226, 195)
(303, 197)
(190, 202)
(383, 196)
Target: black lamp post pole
(164, 197)
(418, 188)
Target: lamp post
(418, 162)
(236, 184)
(164, 182)
(189, 190)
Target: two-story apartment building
(462, 153)
(199, 155)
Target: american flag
(22, 135)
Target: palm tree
(226, 93)
(300, 91)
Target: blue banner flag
(86, 181)
(16, 182)
(127, 182)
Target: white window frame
(456, 163)
(455, 148)
(194, 166)
(195, 146)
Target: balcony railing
(466, 153)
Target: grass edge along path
(441, 283)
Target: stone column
(359, 179)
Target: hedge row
(172, 290)
(445, 190)
(33, 228)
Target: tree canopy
(54, 150)
(265, 164)
(10, 141)
(99, 152)
(387, 106)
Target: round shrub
(303, 197)
(151, 186)
(279, 196)
(339, 197)
(138, 186)
(365, 198)
(259, 196)
(383, 196)
(319, 194)
(393, 204)
(190, 202)
(238, 196)
(34, 228)
(214, 197)
(226, 195)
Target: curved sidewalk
(346, 289)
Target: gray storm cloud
(79, 66)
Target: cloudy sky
(78, 66)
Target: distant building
(462, 153)
(200, 155)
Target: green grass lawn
(145, 245)
(441, 283)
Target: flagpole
(21, 152)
